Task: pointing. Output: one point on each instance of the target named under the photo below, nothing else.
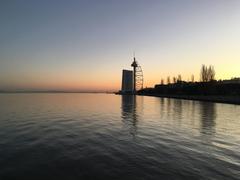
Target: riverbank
(212, 98)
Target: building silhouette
(127, 81)
(132, 80)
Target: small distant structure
(132, 80)
(231, 81)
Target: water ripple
(98, 136)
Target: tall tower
(134, 65)
(132, 81)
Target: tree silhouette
(174, 80)
(179, 78)
(168, 80)
(203, 74)
(207, 73)
(192, 78)
(162, 81)
(211, 73)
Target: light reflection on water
(102, 136)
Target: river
(106, 136)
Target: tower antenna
(134, 65)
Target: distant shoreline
(52, 92)
(209, 98)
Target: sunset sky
(84, 45)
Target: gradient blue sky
(84, 45)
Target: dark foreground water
(103, 136)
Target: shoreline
(215, 99)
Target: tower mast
(134, 65)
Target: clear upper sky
(84, 45)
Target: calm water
(103, 136)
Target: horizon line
(51, 91)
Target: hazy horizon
(84, 45)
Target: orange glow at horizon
(110, 81)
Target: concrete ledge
(218, 99)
